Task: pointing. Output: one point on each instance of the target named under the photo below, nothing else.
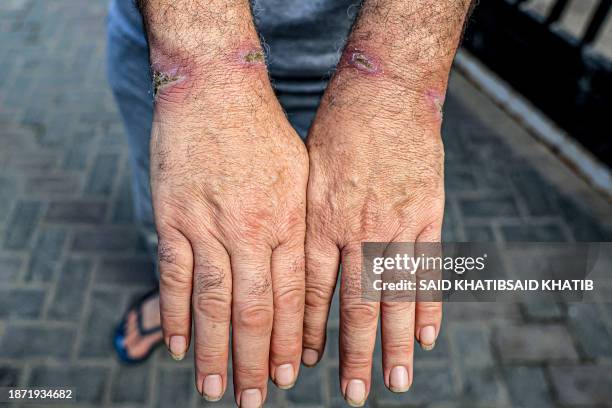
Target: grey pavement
(71, 258)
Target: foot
(136, 344)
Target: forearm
(397, 59)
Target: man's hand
(228, 178)
(376, 174)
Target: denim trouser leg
(129, 78)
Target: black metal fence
(561, 74)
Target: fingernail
(427, 338)
(250, 399)
(178, 347)
(284, 376)
(310, 357)
(355, 393)
(213, 388)
(398, 379)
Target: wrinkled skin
(376, 174)
(229, 190)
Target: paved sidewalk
(71, 258)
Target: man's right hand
(228, 177)
(229, 182)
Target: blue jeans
(130, 80)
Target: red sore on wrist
(361, 60)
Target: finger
(288, 288)
(322, 257)
(252, 315)
(175, 283)
(212, 297)
(397, 326)
(358, 323)
(429, 314)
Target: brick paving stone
(535, 343)
(133, 271)
(22, 225)
(46, 253)
(104, 313)
(116, 239)
(528, 387)
(36, 340)
(541, 199)
(76, 211)
(489, 207)
(472, 345)
(130, 384)
(586, 322)
(8, 190)
(459, 179)
(543, 311)
(31, 162)
(89, 382)
(49, 185)
(176, 387)
(71, 290)
(331, 345)
(77, 155)
(533, 233)
(9, 268)
(103, 174)
(123, 210)
(482, 387)
(479, 234)
(582, 385)
(21, 303)
(584, 227)
(308, 389)
(481, 311)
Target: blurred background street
(71, 258)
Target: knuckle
(314, 337)
(429, 308)
(290, 299)
(399, 346)
(359, 315)
(174, 278)
(215, 306)
(209, 357)
(356, 360)
(254, 317)
(251, 371)
(428, 312)
(173, 320)
(318, 294)
(286, 345)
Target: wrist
(195, 46)
(240, 67)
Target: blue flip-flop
(119, 337)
